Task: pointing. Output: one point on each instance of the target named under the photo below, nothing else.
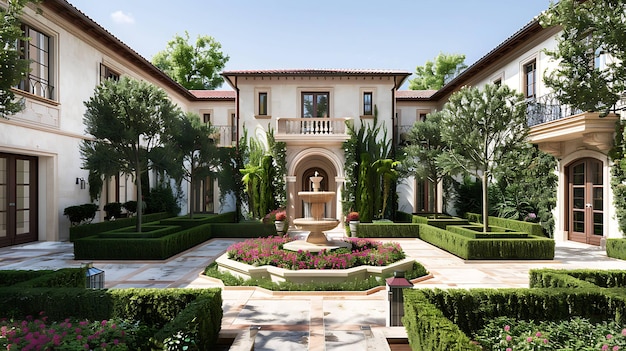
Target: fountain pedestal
(316, 224)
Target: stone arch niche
(304, 164)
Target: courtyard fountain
(317, 224)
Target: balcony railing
(312, 126)
(546, 109)
(223, 135)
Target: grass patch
(354, 285)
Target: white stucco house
(41, 169)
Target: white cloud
(120, 17)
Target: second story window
(263, 104)
(206, 117)
(367, 104)
(530, 79)
(38, 50)
(107, 73)
(315, 105)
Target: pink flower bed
(269, 251)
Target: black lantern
(95, 277)
(395, 285)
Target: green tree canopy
(193, 66)
(191, 152)
(127, 119)
(424, 147)
(13, 67)
(590, 29)
(434, 75)
(480, 127)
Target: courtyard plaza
(306, 320)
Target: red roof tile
(315, 72)
(214, 94)
(414, 94)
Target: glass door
(18, 199)
(586, 201)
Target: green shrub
(585, 278)
(475, 232)
(403, 217)
(113, 210)
(61, 278)
(80, 214)
(254, 229)
(388, 230)
(441, 221)
(162, 199)
(531, 228)
(130, 206)
(169, 310)
(616, 248)
(8, 278)
(86, 230)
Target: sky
(297, 34)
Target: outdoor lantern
(95, 277)
(395, 285)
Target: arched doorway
(585, 201)
(306, 168)
(307, 185)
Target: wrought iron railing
(37, 86)
(547, 108)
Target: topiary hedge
(168, 310)
(453, 314)
(64, 277)
(388, 230)
(86, 230)
(616, 248)
(531, 228)
(548, 278)
(537, 248)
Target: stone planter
(280, 226)
(354, 225)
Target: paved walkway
(306, 321)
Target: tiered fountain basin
(277, 275)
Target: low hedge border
(97, 248)
(476, 233)
(388, 230)
(469, 310)
(170, 310)
(64, 277)
(577, 278)
(616, 248)
(533, 229)
(85, 230)
(531, 248)
(255, 229)
(149, 231)
(441, 222)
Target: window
(422, 117)
(315, 105)
(263, 104)
(206, 117)
(233, 128)
(497, 82)
(38, 51)
(530, 79)
(367, 103)
(107, 73)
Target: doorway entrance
(586, 201)
(18, 199)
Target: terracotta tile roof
(317, 72)
(414, 94)
(214, 94)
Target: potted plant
(280, 221)
(353, 220)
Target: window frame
(368, 107)
(315, 94)
(44, 62)
(530, 64)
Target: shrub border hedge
(616, 248)
(533, 229)
(85, 230)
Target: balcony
(557, 129)
(223, 135)
(312, 130)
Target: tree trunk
(485, 204)
(139, 191)
(191, 176)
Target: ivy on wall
(618, 175)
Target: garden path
(306, 321)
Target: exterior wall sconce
(81, 181)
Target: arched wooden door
(586, 201)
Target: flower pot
(353, 228)
(280, 226)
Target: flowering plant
(269, 251)
(281, 216)
(352, 216)
(41, 334)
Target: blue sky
(287, 34)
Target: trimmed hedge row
(170, 310)
(99, 248)
(441, 222)
(534, 248)
(533, 229)
(199, 219)
(616, 248)
(477, 233)
(388, 230)
(404, 217)
(65, 277)
(577, 278)
(243, 230)
(86, 230)
(469, 310)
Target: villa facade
(41, 168)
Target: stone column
(339, 181)
(291, 198)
